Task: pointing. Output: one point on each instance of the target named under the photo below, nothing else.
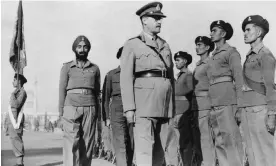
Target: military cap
(225, 26)
(21, 78)
(184, 55)
(78, 40)
(207, 41)
(151, 9)
(119, 53)
(257, 20)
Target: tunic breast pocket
(220, 62)
(253, 63)
(116, 86)
(89, 77)
(143, 61)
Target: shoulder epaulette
(139, 37)
(67, 62)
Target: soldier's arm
(268, 71)
(127, 62)
(17, 102)
(236, 68)
(107, 95)
(97, 83)
(63, 81)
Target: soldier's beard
(82, 57)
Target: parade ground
(41, 149)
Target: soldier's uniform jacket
(18, 99)
(73, 76)
(201, 84)
(225, 62)
(111, 89)
(183, 87)
(150, 97)
(259, 73)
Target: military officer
(122, 132)
(79, 88)
(225, 90)
(183, 96)
(146, 82)
(201, 104)
(259, 93)
(15, 120)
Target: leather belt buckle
(84, 91)
(164, 73)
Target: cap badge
(218, 22)
(249, 19)
(200, 39)
(158, 7)
(82, 39)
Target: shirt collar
(204, 61)
(118, 69)
(224, 47)
(74, 63)
(256, 49)
(149, 36)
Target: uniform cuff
(271, 102)
(61, 111)
(129, 109)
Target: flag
(17, 52)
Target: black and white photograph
(138, 83)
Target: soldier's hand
(130, 115)
(270, 123)
(238, 116)
(107, 123)
(176, 120)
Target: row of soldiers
(199, 115)
(157, 119)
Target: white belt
(201, 93)
(180, 98)
(221, 79)
(15, 124)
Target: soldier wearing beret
(183, 96)
(121, 130)
(15, 119)
(225, 91)
(201, 104)
(79, 88)
(258, 117)
(146, 82)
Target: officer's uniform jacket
(150, 97)
(18, 99)
(225, 62)
(183, 91)
(111, 90)
(259, 74)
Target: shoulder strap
(160, 56)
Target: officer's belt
(81, 91)
(180, 98)
(154, 73)
(201, 93)
(221, 79)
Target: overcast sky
(51, 27)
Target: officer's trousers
(206, 141)
(152, 137)
(79, 125)
(225, 132)
(259, 142)
(122, 135)
(17, 142)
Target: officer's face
(217, 34)
(153, 23)
(82, 50)
(251, 33)
(180, 63)
(201, 48)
